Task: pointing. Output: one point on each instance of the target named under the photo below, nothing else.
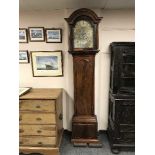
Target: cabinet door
(125, 120)
(84, 84)
(122, 67)
(125, 111)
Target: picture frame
(36, 34)
(53, 35)
(23, 56)
(47, 63)
(23, 38)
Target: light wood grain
(40, 122)
(37, 141)
(37, 130)
(42, 93)
(32, 118)
(42, 150)
(37, 106)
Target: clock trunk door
(84, 84)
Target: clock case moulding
(84, 121)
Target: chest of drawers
(40, 121)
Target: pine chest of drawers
(40, 121)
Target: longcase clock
(83, 45)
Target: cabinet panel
(128, 70)
(128, 58)
(126, 114)
(84, 131)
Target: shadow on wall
(68, 110)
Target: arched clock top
(83, 45)
(83, 27)
(85, 13)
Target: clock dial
(83, 35)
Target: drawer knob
(21, 130)
(60, 117)
(39, 131)
(40, 143)
(20, 142)
(20, 118)
(38, 106)
(38, 119)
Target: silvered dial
(83, 35)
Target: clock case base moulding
(85, 130)
(84, 121)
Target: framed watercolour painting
(54, 35)
(47, 63)
(23, 56)
(23, 35)
(36, 33)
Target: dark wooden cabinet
(121, 123)
(83, 45)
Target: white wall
(116, 25)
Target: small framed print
(53, 35)
(23, 56)
(47, 63)
(36, 34)
(23, 35)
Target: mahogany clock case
(83, 48)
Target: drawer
(37, 105)
(37, 141)
(127, 128)
(127, 135)
(37, 130)
(32, 118)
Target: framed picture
(23, 56)
(53, 35)
(23, 35)
(47, 63)
(36, 33)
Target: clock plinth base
(84, 130)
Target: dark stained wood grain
(84, 84)
(84, 122)
(121, 122)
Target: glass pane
(83, 35)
